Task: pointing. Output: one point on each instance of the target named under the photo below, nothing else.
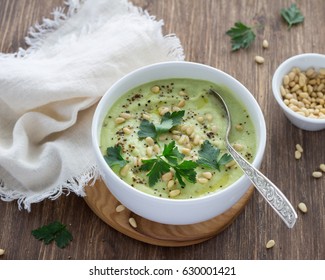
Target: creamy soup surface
(204, 119)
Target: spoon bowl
(267, 189)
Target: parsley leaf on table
(208, 156)
(168, 121)
(54, 231)
(292, 15)
(241, 35)
(113, 156)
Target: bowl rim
(276, 86)
(95, 129)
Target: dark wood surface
(201, 27)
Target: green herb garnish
(168, 121)
(208, 156)
(241, 35)
(113, 156)
(171, 158)
(292, 15)
(54, 231)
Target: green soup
(204, 119)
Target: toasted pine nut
(174, 193)
(207, 175)
(133, 222)
(163, 110)
(181, 103)
(126, 116)
(299, 148)
(149, 141)
(155, 89)
(127, 130)
(120, 208)
(259, 59)
(186, 151)
(322, 167)
(170, 184)
(265, 44)
(270, 244)
(200, 119)
(202, 180)
(317, 174)
(146, 116)
(119, 120)
(125, 170)
(167, 176)
(297, 154)
(302, 207)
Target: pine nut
(239, 127)
(297, 154)
(167, 176)
(146, 116)
(317, 174)
(202, 180)
(125, 170)
(150, 141)
(156, 149)
(322, 167)
(230, 164)
(181, 103)
(149, 152)
(186, 151)
(133, 222)
(189, 130)
(286, 80)
(238, 147)
(120, 208)
(270, 244)
(259, 59)
(208, 117)
(170, 184)
(265, 44)
(302, 207)
(119, 120)
(2, 252)
(155, 89)
(126, 116)
(127, 130)
(207, 175)
(299, 148)
(163, 110)
(200, 119)
(174, 193)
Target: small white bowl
(302, 61)
(176, 211)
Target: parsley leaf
(159, 166)
(241, 35)
(113, 156)
(292, 15)
(54, 231)
(208, 156)
(168, 120)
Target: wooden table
(201, 27)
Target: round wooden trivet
(104, 204)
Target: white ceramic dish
(176, 211)
(303, 61)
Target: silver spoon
(268, 190)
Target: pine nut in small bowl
(159, 140)
(298, 86)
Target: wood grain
(201, 27)
(104, 204)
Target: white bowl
(176, 211)
(303, 61)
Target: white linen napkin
(49, 91)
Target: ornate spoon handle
(268, 190)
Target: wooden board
(104, 204)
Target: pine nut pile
(304, 92)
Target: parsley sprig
(113, 156)
(242, 36)
(292, 15)
(54, 231)
(209, 156)
(171, 158)
(168, 121)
